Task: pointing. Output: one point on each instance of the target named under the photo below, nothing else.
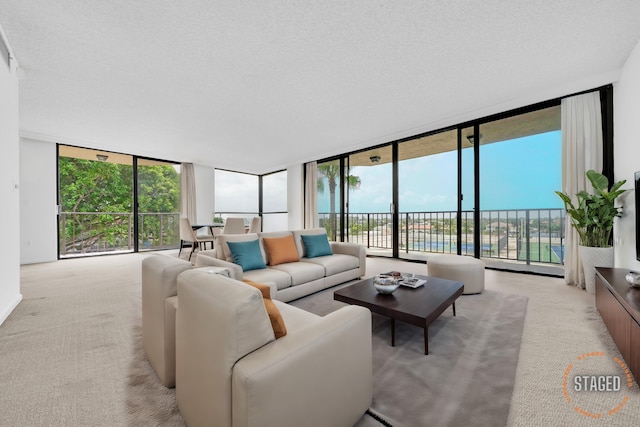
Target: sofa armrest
(353, 249)
(208, 259)
(159, 283)
(321, 372)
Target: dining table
(211, 227)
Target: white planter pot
(592, 258)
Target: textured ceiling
(259, 85)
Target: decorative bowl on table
(633, 278)
(385, 283)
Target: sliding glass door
(483, 189)
(428, 194)
(520, 168)
(158, 198)
(95, 202)
(369, 204)
(102, 210)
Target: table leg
(454, 308)
(393, 332)
(426, 340)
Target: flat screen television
(637, 188)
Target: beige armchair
(231, 371)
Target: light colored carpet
(66, 351)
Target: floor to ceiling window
(274, 201)
(329, 195)
(428, 194)
(158, 204)
(236, 195)
(483, 189)
(369, 199)
(244, 195)
(98, 213)
(520, 168)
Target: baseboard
(9, 309)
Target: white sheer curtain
(188, 192)
(311, 196)
(581, 151)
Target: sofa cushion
(316, 245)
(280, 249)
(280, 278)
(307, 232)
(222, 247)
(277, 322)
(334, 264)
(247, 255)
(301, 272)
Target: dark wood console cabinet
(619, 306)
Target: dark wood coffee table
(419, 307)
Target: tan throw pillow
(280, 249)
(277, 322)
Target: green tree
(97, 203)
(331, 172)
(158, 194)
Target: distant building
(503, 227)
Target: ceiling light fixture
(102, 157)
(472, 138)
(374, 159)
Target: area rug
(467, 378)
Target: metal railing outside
(522, 235)
(104, 232)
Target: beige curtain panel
(188, 192)
(311, 196)
(581, 150)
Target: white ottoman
(465, 269)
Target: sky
(238, 192)
(521, 173)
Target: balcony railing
(101, 232)
(529, 235)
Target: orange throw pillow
(277, 322)
(280, 250)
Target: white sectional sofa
(302, 275)
(214, 338)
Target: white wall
(295, 196)
(626, 114)
(10, 295)
(38, 216)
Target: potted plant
(593, 220)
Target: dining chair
(233, 226)
(188, 234)
(256, 222)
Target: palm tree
(331, 171)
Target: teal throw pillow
(247, 255)
(316, 245)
